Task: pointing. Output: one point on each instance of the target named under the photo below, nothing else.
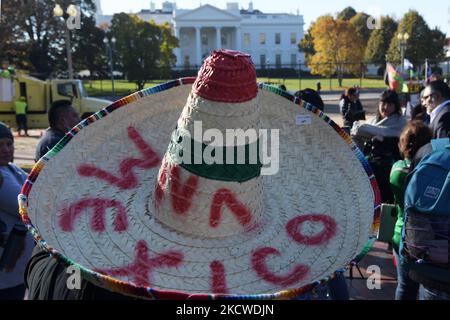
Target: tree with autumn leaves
(336, 43)
(343, 45)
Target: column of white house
(218, 38)
(198, 47)
(238, 39)
(177, 51)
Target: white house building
(270, 38)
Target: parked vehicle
(39, 97)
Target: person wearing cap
(15, 251)
(21, 115)
(160, 220)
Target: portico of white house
(204, 30)
(197, 42)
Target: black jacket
(351, 111)
(441, 123)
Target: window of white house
(224, 40)
(277, 38)
(278, 60)
(204, 40)
(262, 38)
(246, 39)
(187, 62)
(262, 61)
(293, 38)
(293, 59)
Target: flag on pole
(407, 65)
(393, 79)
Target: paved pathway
(380, 257)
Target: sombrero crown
(150, 211)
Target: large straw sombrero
(119, 198)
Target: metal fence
(298, 76)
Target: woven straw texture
(318, 174)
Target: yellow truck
(39, 97)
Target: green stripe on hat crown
(249, 168)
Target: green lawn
(123, 87)
(296, 84)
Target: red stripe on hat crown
(227, 76)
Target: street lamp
(109, 51)
(402, 40)
(70, 12)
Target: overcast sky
(435, 12)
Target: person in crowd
(405, 104)
(21, 115)
(413, 137)
(62, 117)
(389, 121)
(436, 98)
(379, 140)
(282, 87)
(437, 101)
(319, 87)
(350, 107)
(419, 112)
(434, 77)
(311, 96)
(16, 244)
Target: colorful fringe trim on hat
(129, 289)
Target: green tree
(422, 42)
(437, 44)
(379, 41)
(168, 43)
(89, 51)
(359, 21)
(346, 14)
(38, 36)
(10, 49)
(138, 47)
(306, 45)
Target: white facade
(271, 39)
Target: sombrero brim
(103, 221)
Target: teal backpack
(426, 231)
